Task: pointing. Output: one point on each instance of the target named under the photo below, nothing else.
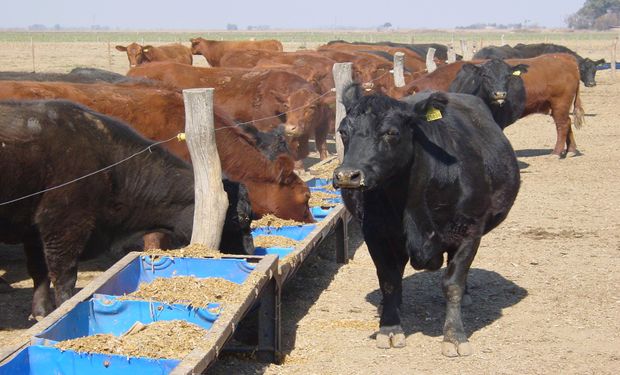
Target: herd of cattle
(427, 169)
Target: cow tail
(578, 112)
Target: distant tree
(600, 14)
(231, 27)
(37, 27)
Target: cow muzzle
(499, 97)
(348, 178)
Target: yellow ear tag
(433, 114)
(181, 137)
(516, 73)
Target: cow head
(237, 233)
(137, 54)
(378, 134)
(286, 197)
(488, 81)
(498, 84)
(587, 71)
(198, 44)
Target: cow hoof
(398, 340)
(451, 350)
(466, 300)
(572, 154)
(35, 318)
(391, 337)
(383, 341)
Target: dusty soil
(544, 284)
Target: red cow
(159, 114)
(213, 50)
(138, 54)
(265, 97)
(551, 86)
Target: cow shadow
(424, 305)
(522, 164)
(299, 294)
(530, 153)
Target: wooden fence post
(210, 202)
(399, 69)
(465, 50)
(430, 62)
(503, 40)
(343, 76)
(451, 54)
(32, 50)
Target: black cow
(271, 143)
(498, 84)
(44, 144)
(497, 52)
(76, 75)
(587, 67)
(441, 51)
(425, 176)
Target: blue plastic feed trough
(607, 66)
(319, 213)
(145, 269)
(297, 232)
(279, 251)
(318, 182)
(43, 360)
(106, 314)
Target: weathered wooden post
(342, 77)
(32, 51)
(503, 40)
(211, 202)
(464, 50)
(451, 54)
(399, 69)
(430, 60)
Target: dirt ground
(544, 283)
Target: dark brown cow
(213, 50)
(551, 84)
(265, 97)
(138, 54)
(413, 62)
(159, 114)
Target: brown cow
(265, 97)
(551, 85)
(413, 62)
(213, 50)
(138, 54)
(159, 114)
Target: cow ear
(285, 169)
(599, 62)
(470, 68)
(351, 95)
(437, 101)
(121, 48)
(521, 68)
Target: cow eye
(393, 133)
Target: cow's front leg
(64, 238)
(37, 269)
(390, 259)
(454, 284)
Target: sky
(282, 14)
